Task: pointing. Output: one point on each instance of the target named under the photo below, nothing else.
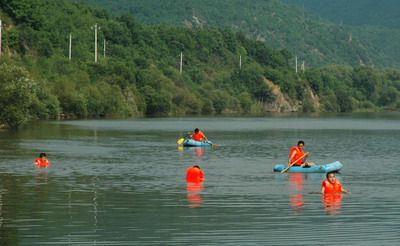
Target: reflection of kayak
(330, 167)
(194, 143)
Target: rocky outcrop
(283, 104)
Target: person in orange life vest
(297, 156)
(194, 174)
(332, 185)
(42, 161)
(198, 135)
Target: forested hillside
(139, 71)
(382, 13)
(312, 39)
(374, 22)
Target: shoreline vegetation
(139, 74)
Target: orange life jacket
(194, 174)
(42, 163)
(198, 136)
(299, 154)
(332, 188)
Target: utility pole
(180, 68)
(95, 27)
(296, 63)
(70, 47)
(95, 43)
(104, 48)
(0, 37)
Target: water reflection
(95, 181)
(198, 151)
(95, 211)
(332, 203)
(1, 208)
(69, 212)
(41, 180)
(193, 196)
(41, 187)
(296, 198)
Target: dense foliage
(374, 22)
(383, 13)
(21, 98)
(140, 74)
(315, 40)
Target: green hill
(383, 13)
(374, 22)
(140, 72)
(315, 40)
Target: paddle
(212, 144)
(291, 164)
(180, 141)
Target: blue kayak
(318, 168)
(194, 143)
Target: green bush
(22, 99)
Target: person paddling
(198, 135)
(42, 161)
(297, 157)
(332, 185)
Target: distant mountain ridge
(315, 40)
(382, 13)
(375, 22)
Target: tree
(344, 101)
(366, 80)
(17, 95)
(157, 102)
(388, 96)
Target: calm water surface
(122, 182)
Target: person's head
(41, 155)
(300, 144)
(196, 130)
(196, 166)
(331, 176)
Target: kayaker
(42, 161)
(194, 174)
(332, 185)
(297, 156)
(198, 135)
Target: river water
(122, 182)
